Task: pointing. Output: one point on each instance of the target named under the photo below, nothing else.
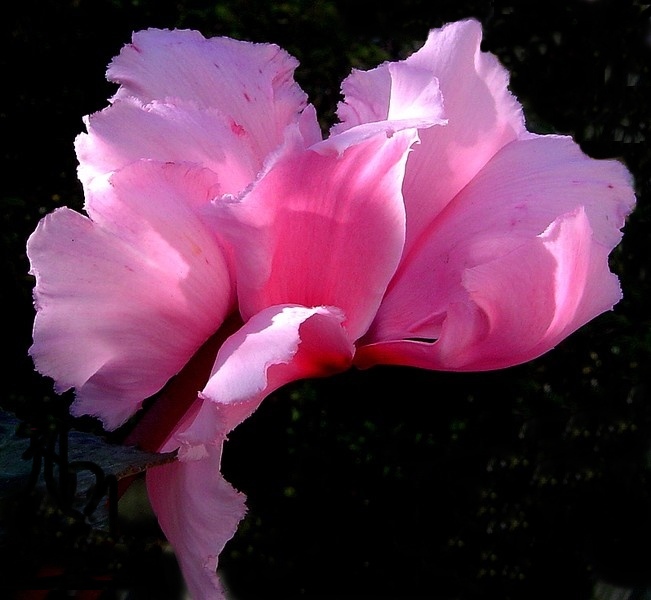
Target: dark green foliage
(528, 483)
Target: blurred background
(532, 482)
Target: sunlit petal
(517, 261)
(125, 299)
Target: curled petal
(390, 98)
(125, 299)
(390, 92)
(279, 345)
(307, 233)
(198, 512)
(196, 508)
(252, 84)
(517, 262)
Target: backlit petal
(517, 261)
(389, 98)
(481, 115)
(251, 84)
(125, 299)
(180, 132)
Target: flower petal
(482, 117)
(252, 84)
(308, 232)
(128, 131)
(178, 402)
(518, 261)
(279, 345)
(198, 512)
(481, 114)
(390, 92)
(125, 299)
(389, 98)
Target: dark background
(532, 482)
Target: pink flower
(429, 229)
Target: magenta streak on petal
(307, 233)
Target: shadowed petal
(517, 262)
(178, 402)
(125, 299)
(198, 512)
